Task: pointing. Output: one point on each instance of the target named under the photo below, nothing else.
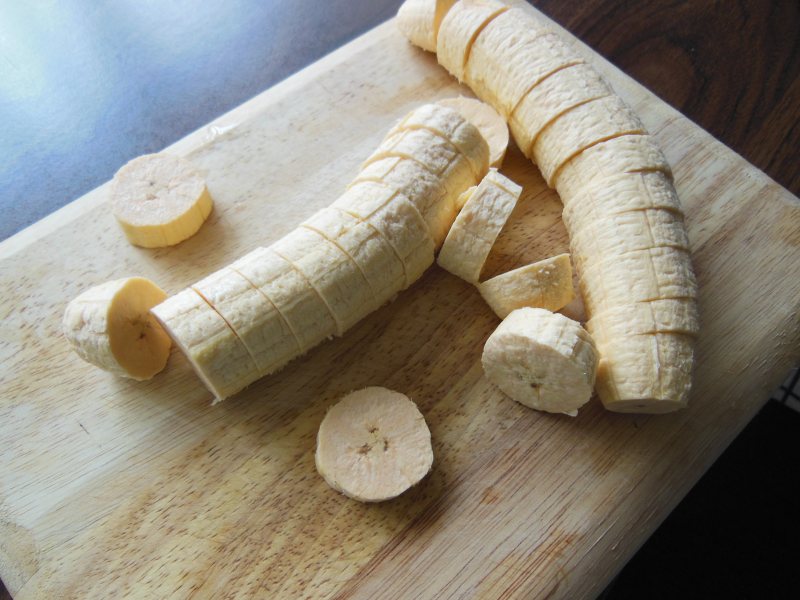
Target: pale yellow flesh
(628, 238)
(276, 303)
(580, 128)
(620, 156)
(408, 177)
(673, 315)
(459, 29)
(217, 354)
(447, 125)
(368, 249)
(430, 149)
(464, 197)
(477, 226)
(614, 235)
(110, 326)
(645, 373)
(252, 316)
(291, 293)
(559, 92)
(619, 193)
(400, 223)
(419, 21)
(159, 200)
(492, 126)
(138, 342)
(422, 188)
(544, 284)
(373, 445)
(431, 156)
(542, 360)
(455, 127)
(507, 60)
(640, 276)
(331, 272)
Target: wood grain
(112, 488)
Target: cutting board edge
(96, 196)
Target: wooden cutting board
(111, 488)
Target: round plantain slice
(373, 445)
(159, 200)
(543, 360)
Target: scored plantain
(370, 251)
(544, 284)
(672, 315)
(639, 276)
(617, 234)
(331, 272)
(645, 373)
(542, 360)
(110, 326)
(430, 157)
(373, 445)
(579, 128)
(506, 61)
(597, 154)
(492, 126)
(252, 316)
(435, 152)
(397, 219)
(410, 178)
(459, 28)
(159, 200)
(561, 91)
(291, 293)
(477, 226)
(422, 188)
(620, 193)
(339, 265)
(214, 350)
(622, 156)
(447, 124)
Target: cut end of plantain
(419, 21)
(110, 326)
(373, 445)
(159, 200)
(542, 360)
(488, 121)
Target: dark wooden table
(84, 87)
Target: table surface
(732, 68)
